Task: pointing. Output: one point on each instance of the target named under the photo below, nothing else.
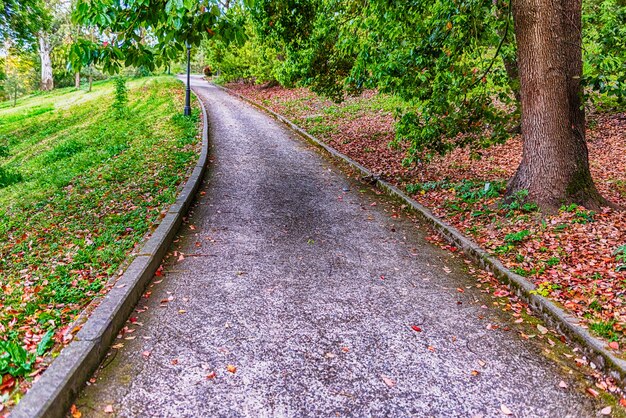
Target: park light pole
(188, 91)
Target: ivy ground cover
(81, 183)
(576, 257)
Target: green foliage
(9, 177)
(605, 50)
(16, 361)
(120, 97)
(620, 256)
(251, 60)
(173, 24)
(516, 237)
(605, 330)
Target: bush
(207, 71)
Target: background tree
(18, 74)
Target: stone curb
(565, 323)
(53, 394)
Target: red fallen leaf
(8, 382)
(622, 402)
(146, 354)
(211, 375)
(416, 328)
(345, 349)
(501, 293)
(159, 271)
(592, 392)
(133, 319)
(614, 345)
(460, 290)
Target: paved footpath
(308, 285)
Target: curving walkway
(308, 285)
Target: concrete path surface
(308, 285)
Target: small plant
(544, 289)
(605, 330)
(620, 256)
(516, 237)
(16, 361)
(120, 96)
(583, 216)
(553, 261)
(595, 305)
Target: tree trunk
(90, 80)
(47, 81)
(77, 80)
(555, 163)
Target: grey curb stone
(566, 324)
(53, 393)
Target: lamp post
(188, 91)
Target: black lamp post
(188, 92)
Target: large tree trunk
(47, 82)
(77, 80)
(555, 163)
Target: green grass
(79, 188)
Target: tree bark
(47, 81)
(77, 80)
(555, 159)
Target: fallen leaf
(231, 368)
(146, 354)
(117, 346)
(543, 330)
(416, 328)
(614, 345)
(606, 411)
(505, 410)
(108, 409)
(388, 381)
(592, 392)
(74, 412)
(563, 385)
(212, 375)
(475, 372)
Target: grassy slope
(79, 188)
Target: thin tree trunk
(47, 81)
(555, 164)
(77, 80)
(90, 80)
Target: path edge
(593, 348)
(56, 389)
